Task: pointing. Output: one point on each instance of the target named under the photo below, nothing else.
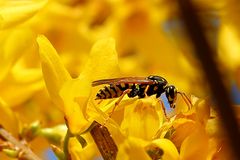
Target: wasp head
(171, 94)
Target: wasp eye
(171, 94)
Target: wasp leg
(186, 99)
(145, 90)
(127, 91)
(99, 101)
(164, 109)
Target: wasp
(137, 86)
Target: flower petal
(132, 148)
(195, 146)
(23, 83)
(79, 153)
(214, 128)
(229, 46)
(202, 111)
(54, 73)
(15, 75)
(141, 119)
(8, 119)
(183, 128)
(15, 12)
(169, 149)
(75, 95)
(103, 61)
(11, 47)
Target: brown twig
(205, 55)
(25, 153)
(104, 141)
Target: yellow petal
(202, 111)
(183, 128)
(23, 83)
(195, 146)
(219, 149)
(132, 148)
(199, 111)
(17, 77)
(74, 94)
(102, 62)
(214, 128)
(54, 73)
(8, 119)
(13, 48)
(170, 152)
(164, 130)
(79, 153)
(15, 12)
(229, 46)
(141, 119)
(113, 128)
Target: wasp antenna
(186, 99)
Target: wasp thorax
(171, 94)
(157, 79)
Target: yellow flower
(169, 150)
(144, 46)
(189, 149)
(135, 148)
(228, 46)
(136, 124)
(78, 153)
(71, 95)
(16, 12)
(8, 119)
(142, 118)
(194, 133)
(17, 74)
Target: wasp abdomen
(112, 91)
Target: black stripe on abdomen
(123, 86)
(101, 94)
(108, 92)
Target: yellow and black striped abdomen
(112, 91)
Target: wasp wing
(126, 80)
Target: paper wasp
(138, 86)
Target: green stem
(65, 145)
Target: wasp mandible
(138, 86)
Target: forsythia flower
(140, 126)
(71, 95)
(52, 50)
